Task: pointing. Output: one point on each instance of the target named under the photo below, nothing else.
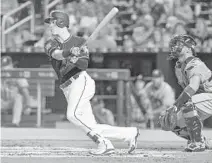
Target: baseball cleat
(133, 142)
(208, 143)
(195, 147)
(105, 147)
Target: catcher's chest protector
(194, 66)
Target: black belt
(69, 81)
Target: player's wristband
(184, 96)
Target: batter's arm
(80, 52)
(57, 54)
(82, 63)
(53, 49)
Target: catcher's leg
(194, 128)
(203, 103)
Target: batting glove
(75, 51)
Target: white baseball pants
(79, 111)
(203, 103)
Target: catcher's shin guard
(193, 122)
(194, 127)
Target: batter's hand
(84, 49)
(75, 51)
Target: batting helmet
(6, 60)
(62, 19)
(177, 43)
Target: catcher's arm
(168, 119)
(189, 91)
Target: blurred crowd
(141, 24)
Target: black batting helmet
(62, 19)
(178, 42)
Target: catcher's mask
(177, 43)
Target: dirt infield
(55, 151)
(60, 150)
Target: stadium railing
(30, 17)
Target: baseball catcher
(194, 104)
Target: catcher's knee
(190, 114)
(189, 110)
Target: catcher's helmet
(62, 19)
(178, 42)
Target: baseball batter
(70, 61)
(194, 104)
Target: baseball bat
(102, 24)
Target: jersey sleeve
(198, 68)
(50, 46)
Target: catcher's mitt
(168, 119)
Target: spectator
(88, 18)
(102, 115)
(142, 111)
(157, 11)
(104, 41)
(179, 29)
(128, 43)
(14, 93)
(59, 6)
(200, 32)
(142, 34)
(156, 41)
(168, 31)
(159, 93)
(8, 6)
(183, 11)
(169, 7)
(73, 24)
(46, 36)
